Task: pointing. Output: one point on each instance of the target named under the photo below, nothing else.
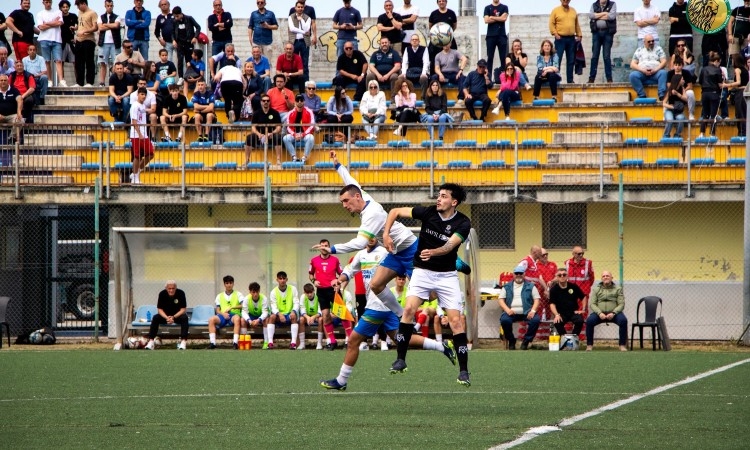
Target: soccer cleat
(166, 139)
(150, 345)
(383, 346)
(270, 346)
(332, 346)
(462, 266)
(333, 384)
(524, 345)
(292, 346)
(178, 140)
(463, 378)
(449, 350)
(265, 345)
(211, 346)
(235, 346)
(398, 366)
(182, 345)
(319, 346)
(301, 347)
(364, 347)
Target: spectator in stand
(149, 74)
(495, 16)
(262, 67)
(266, 130)
(547, 70)
(679, 27)
(132, 60)
(26, 85)
(565, 304)
(220, 24)
(547, 271)
(229, 307)
(712, 82)
(21, 23)
(140, 145)
(564, 26)
(186, 31)
(282, 99)
(300, 27)
(110, 39)
(85, 45)
(352, 68)
(7, 65)
(687, 86)
(227, 57)
(475, 89)
(409, 14)
(449, 68)
(738, 87)
(251, 94)
(436, 109)
(648, 66)
(519, 59)
(203, 107)
(195, 70)
(68, 32)
(603, 23)
(581, 272)
(441, 14)
(300, 130)
(346, 22)
(37, 67)
(509, 90)
(232, 85)
(172, 309)
(389, 25)
(607, 304)
(406, 107)
(120, 87)
(260, 27)
(138, 21)
(289, 64)
(166, 72)
(519, 301)
(715, 42)
(164, 28)
(385, 66)
(174, 112)
(50, 38)
(647, 18)
(738, 28)
(3, 27)
(11, 101)
(416, 64)
(685, 54)
(674, 106)
(340, 108)
(533, 274)
(313, 102)
(372, 108)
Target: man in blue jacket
(138, 21)
(519, 301)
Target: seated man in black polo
(266, 130)
(11, 104)
(566, 302)
(171, 309)
(385, 66)
(475, 89)
(351, 68)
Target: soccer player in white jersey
(443, 230)
(376, 314)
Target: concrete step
(49, 162)
(37, 179)
(596, 97)
(586, 138)
(76, 101)
(581, 159)
(591, 117)
(575, 178)
(67, 119)
(57, 141)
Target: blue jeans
(42, 83)
(373, 129)
(638, 80)
(669, 116)
(291, 143)
(442, 119)
(507, 97)
(123, 107)
(142, 46)
(506, 322)
(567, 44)
(594, 320)
(51, 50)
(303, 51)
(601, 40)
(218, 47)
(499, 42)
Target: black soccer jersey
(435, 233)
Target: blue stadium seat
(645, 101)
(194, 166)
(517, 103)
(635, 162)
(127, 145)
(469, 143)
(123, 165)
(631, 142)
(90, 166)
(234, 144)
(225, 166)
(707, 140)
(355, 104)
(501, 143)
(323, 84)
(737, 140)
(365, 143)
(96, 144)
(671, 140)
(420, 104)
(359, 165)
(197, 144)
(667, 162)
(459, 164)
(493, 164)
(332, 145)
(190, 104)
(141, 315)
(451, 103)
(115, 124)
(543, 102)
(324, 165)
(392, 164)
(159, 166)
(527, 163)
(504, 121)
(434, 143)
(201, 314)
(472, 122)
(219, 104)
(292, 165)
(702, 161)
(425, 164)
(255, 165)
(736, 161)
(167, 144)
(533, 143)
(641, 120)
(399, 144)
(538, 121)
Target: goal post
(144, 258)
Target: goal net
(143, 259)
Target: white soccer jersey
(366, 262)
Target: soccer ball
(135, 343)
(35, 337)
(157, 342)
(441, 34)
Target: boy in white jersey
(284, 301)
(140, 145)
(376, 313)
(229, 306)
(310, 314)
(256, 311)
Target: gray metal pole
(746, 271)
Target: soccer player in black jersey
(443, 231)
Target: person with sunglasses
(266, 130)
(581, 272)
(260, 27)
(648, 66)
(565, 300)
(679, 27)
(352, 68)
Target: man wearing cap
(346, 21)
(476, 86)
(519, 301)
(300, 130)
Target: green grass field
(271, 399)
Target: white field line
(532, 433)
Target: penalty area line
(534, 432)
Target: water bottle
(148, 316)
(554, 339)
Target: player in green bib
(257, 310)
(284, 301)
(229, 306)
(310, 315)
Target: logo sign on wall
(708, 16)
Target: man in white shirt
(409, 14)
(149, 104)
(646, 19)
(300, 32)
(110, 38)
(50, 38)
(36, 66)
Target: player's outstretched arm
(343, 171)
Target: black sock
(402, 339)
(462, 351)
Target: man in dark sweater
(476, 87)
(172, 309)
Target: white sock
(375, 339)
(432, 344)
(212, 338)
(388, 340)
(417, 327)
(265, 334)
(271, 331)
(235, 338)
(439, 337)
(389, 300)
(344, 374)
(302, 338)
(295, 331)
(320, 338)
(179, 135)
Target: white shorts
(446, 285)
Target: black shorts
(325, 297)
(177, 120)
(253, 141)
